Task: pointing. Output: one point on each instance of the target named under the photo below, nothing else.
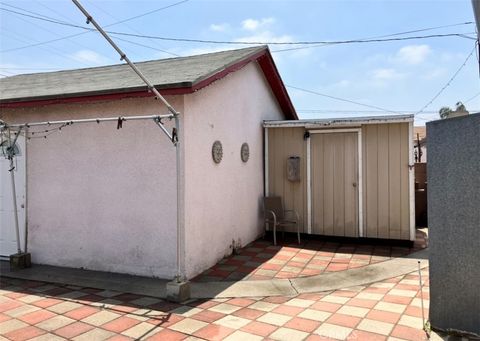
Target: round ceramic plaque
(245, 152)
(217, 151)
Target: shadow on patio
(261, 260)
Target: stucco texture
(223, 201)
(101, 198)
(454, 222)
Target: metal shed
(355, 174)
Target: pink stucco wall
(105, 199)
(223, 201)
(102, 198)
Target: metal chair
(275, 214)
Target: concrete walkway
(275, 287)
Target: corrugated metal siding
(385, 177)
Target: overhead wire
(448, 82)
(341, 99)
(39, 16)
(226, 42)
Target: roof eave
(263, 57)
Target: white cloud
(387, 74)
(219, 27)
(254, 24)
(88, 56)
(266, 36)
(413, 54)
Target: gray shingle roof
(164, 73)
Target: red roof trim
(263, 57)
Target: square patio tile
(333, 331)
(188, 326)
(315, 315)
(225, 308)
(186, 311)
(233, 322)
(335, 299)
(100, 318)
(64, 307)
(297, 302)
(20, 311)
(263, 306)
(73, 329)
(243, 336)
(287, 334)
(374, 326)
(214, 332)
(353, 311)
(141, 330)
(304, 325)
(94, 334)
(11, 325)
(259, 328)
(55, 323)
(391, 307)
(410, 321)
(275, 319)
(26, 333)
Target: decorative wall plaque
(245, 152)
(217, 151)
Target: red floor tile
(288, 310)
(344, 320)
(360, 335)
(384, 316)
(210, 316)
(73, 330)
(326, 306)
(120, 324)
(81, 313)
(408, 333)
(241, 302)
(259, 328)
(36, 316)
(302, 324)
(250, 314)
(47, 302)
(167, 334)
(24, 333)
(213, 332)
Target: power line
(472, 98)
(387, 35)
(227, 42)
(449, 81)
(342, 99)
(39, 16)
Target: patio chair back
(274, 204)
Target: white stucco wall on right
(223, 201)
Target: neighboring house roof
(171, 76)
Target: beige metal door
(334, 181)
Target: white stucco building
(96, 197)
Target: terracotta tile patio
(262, 260)
(386, 310)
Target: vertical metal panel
(370, 133)
(351, 185)
(394, 180)
(383, 191)
(283, 143)
(404, 183)
(387, 191)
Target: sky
(387, 77)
